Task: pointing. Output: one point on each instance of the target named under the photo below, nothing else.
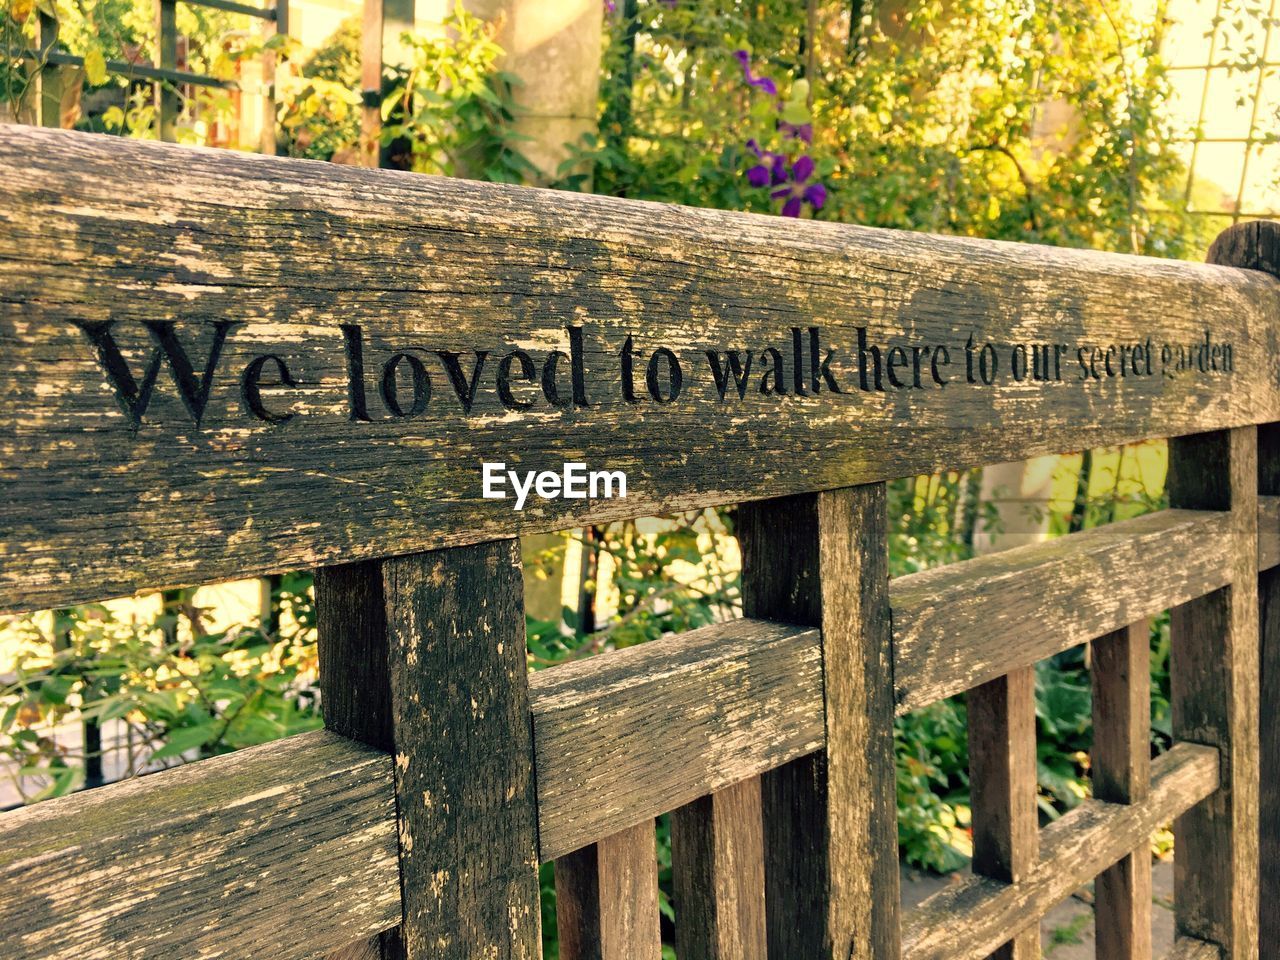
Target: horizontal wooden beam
(970, 919)
(622, 738)
(285, 850)
(957, 626)
(261, 364)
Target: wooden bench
(215, 365)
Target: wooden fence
(219, 365)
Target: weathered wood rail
(259, 364)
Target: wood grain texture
(1002, 780)
(1120, 763)
(621, 738)
(830, 818)
(742, 697)
(204, 861)
(355, 686)
(607, 898)
(1268, 529)
(288, 250)
(1269, 687)
(464, 754)
(1215, 668)
(970, 919)
(351, 627)
(1256, 246)
(965, 623)
(717, 867)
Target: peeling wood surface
(1120, 764)
(204, 861)
(465, 793)
(970, 919)
(355, 687)
(1214, 696)
(621, 738)
(830, 822)
(965, 623)
(287, 250)
(617, 739)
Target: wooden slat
(91, 506)
(1269, 690)
(963, 624)
(717, 866)
(464, 754)
(1255, 246)
(1214, 664)
(830, 818)
(607, 898)
(624, 737)
(1121, 767)
(355, 685)
(203, 861)
(969, 919)
(1002, 780)
(1268, 531)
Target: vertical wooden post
(384, 21)
(1002, 782)
(167, 59)
(1215, 673)
(607, 898)
(830, 819)
(425, 655)
(355, 687)
(717, 864)
(1269, 706)
(277, 26)
(48, 94)
(1121, 760)
(1256, 246)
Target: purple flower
(760, 83)
(792, 131)
(799, 191)
(772, 168)
(610, 6)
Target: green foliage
(181, 692)
(1025, 121)
(452, 109)
(321, 113)
(668, 575)
(933, 779)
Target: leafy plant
(452, 112)
(180, 694)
